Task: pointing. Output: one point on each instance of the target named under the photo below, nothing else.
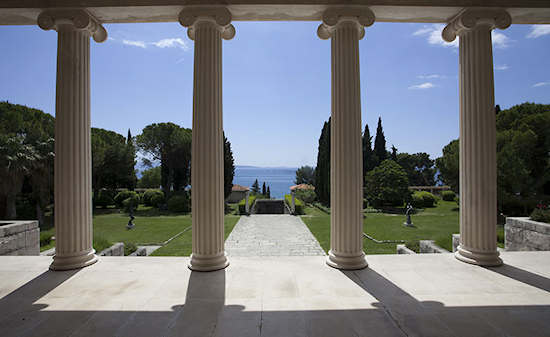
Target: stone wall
(402, 249)
(429, 246)
(19, 238)
(523, 234)
(115, 250)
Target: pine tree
(256, 187)
(380, 143)
(268, 193)
(264, 191)
(394, 153)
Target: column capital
(78, 19)
(335, 16)
(472, 18)
(221, 17)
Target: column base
(208, 262)
(80, 260)
(488, 259)
(346, 262)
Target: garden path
(271, 235)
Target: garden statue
(410, 209)
(130, 224)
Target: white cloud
(501, 67)
(426, 85)
(540, 84)
(538, 30)
(433, 34)
(171, 43)
(500, 40)
(432, 76)
(140, 44)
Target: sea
(279, 179)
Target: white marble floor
(398, 295)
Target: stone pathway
(271, 235)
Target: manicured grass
(437, 223)
(152, 227)
(181, 246)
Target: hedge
(298, 204)
(448, 195)
(123, 195)
(104, 198)
(148, 197)
(423, 199)
(179, 203)
(242, 204)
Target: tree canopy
(228, 167)
(380, 143)
(305, 175)
(387, 185)
(419, 167)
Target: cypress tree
(264, 191)
(322, 171)
(228, 167)
(369, 157)
(268, 193)
(380, 143)
(394, 153)
(255, 187)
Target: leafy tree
(171, 145)
(255, 187)
(113, 161)
(305, 175)
(322, 170)
(419, 167)
(387, 185)
(26, 138)
(268, 193)
(228, 167)
(264, 191)
(369, 157)
(150, 178)
(448, 165)
(380, 142)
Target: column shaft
(207, 151)
(346, 244)
(73, 170)
(478, 181)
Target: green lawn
(153, 227)
(437, 223)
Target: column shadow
(523, 276)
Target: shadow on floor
(523, 276)
(207, 311)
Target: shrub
(123, 195)
(45, 238)
(157, 200)
(129, 248)
(101, 243)
(413, 245)
(541, 214)
(149, 195)
(387, 185)
(423, 199)
(307, 196)
(298, 204)
(131, 203)
(179, 203)
(104, 198)
(448, 195)
(242, 204)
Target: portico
(207, 23)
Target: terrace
(421, 295)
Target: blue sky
(276, 82)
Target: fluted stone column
(344, 26)
(207, 27)
(478, 173)
(73, 164)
